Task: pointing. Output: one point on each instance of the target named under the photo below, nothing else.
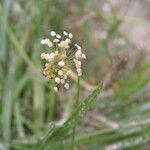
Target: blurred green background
(115, 36)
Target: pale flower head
(64, 59)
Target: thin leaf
(3, 28)
(75, 118)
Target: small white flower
(57, 80)
(83, 56)
(60, 72)
(77, 46)
(46, 42)
(78, 54)
(49, 44)
(65, 33)
(42, 41)
(61, 63)
(68, 40)
(47, 57)
(70, 35)
(62, 81)
(65, 76)
(58, 36)
(43, 55)
(75, 60)
(51, 57)
(63, 44)
(52, 33)
(78, 65)
(56, 40)
(66, 85)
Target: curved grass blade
(83, 107)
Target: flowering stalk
(61, 64)
(78, 92)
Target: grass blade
(18, 119)
(71, 122)
(3, 29)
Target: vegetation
(113, 115)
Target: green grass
(29, 106)
(53, 138)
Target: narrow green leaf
(38, 103)
(7, 104)
(52, 102)
(80, 111)
(19, 48)
(3, 29)
(111, 135)
(132, 142)
(18, 119)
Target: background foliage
(115, 37)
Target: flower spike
(61, 63)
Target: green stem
(52, 105)
(76, 104)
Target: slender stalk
(76, 104)
(78, 91)
(52, 105)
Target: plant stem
(76, 104)
(52, 106)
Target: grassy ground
(111, 116)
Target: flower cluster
(64, 58)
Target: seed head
(65, 57)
